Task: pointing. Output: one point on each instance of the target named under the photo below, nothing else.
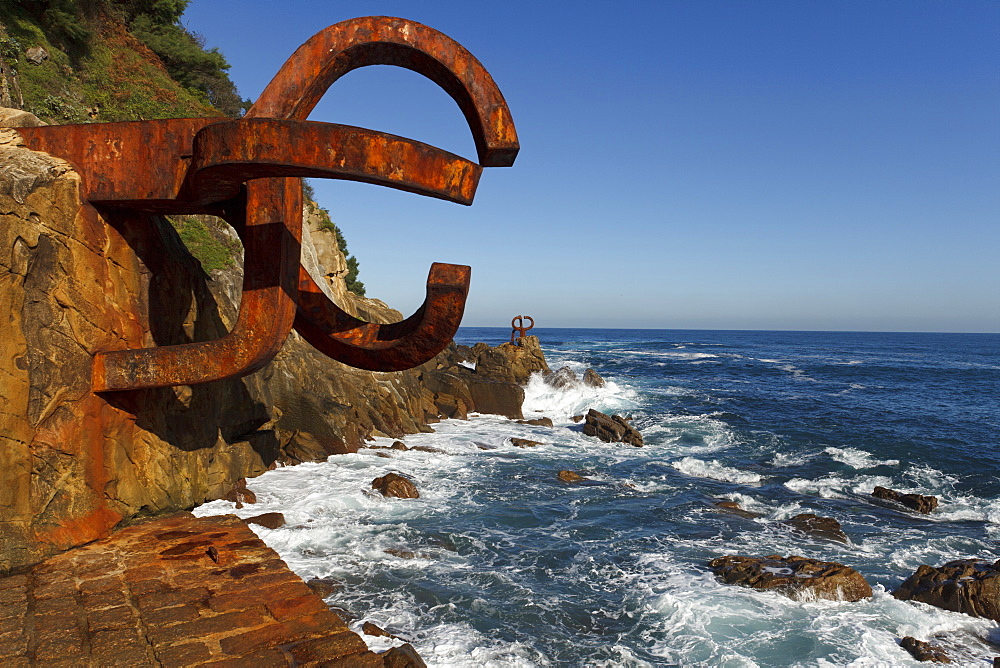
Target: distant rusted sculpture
(519, 329)
(246, 172)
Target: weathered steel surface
(393, 347)
(382, 40)
(246, 171)
(519, 329)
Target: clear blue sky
(829, 165)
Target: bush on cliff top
(111, 60)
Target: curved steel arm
(228, 153)
(392, 347)
(382, 40)
(271, 239)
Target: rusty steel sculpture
(520, 330)
(247, 172)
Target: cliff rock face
(77, 464)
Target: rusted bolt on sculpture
(520, 330)
(247, 172)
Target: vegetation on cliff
(109, 60)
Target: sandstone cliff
(78, 464)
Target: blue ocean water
(500, 563)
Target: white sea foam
(787, 459)
(690, 434)
(858, 459)
(562, 403)
(469, 365)
(834, 486)
(714, 470)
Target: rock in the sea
(924, 651)
(393, 484)
(403, 656)
(398, 445)
(733, 508)
(917, 502)
(971, 586)
(509, 362)
(592, 378)
(611, 428)
(239, 494)
(562, 379)
(524, 443)
(323, 586)
(577, 418)
(371, 629)
(267, 520)
(537, 422)
(818, 527)
(570, 476)
(795, 577)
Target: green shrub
(211, 249)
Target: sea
(501, 563)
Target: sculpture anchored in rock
(247, 172)
(520, 331)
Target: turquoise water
(500, 563)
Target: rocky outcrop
(733, 508)
(611, 428)
(395, 485)
(592, 378)
(796, 577)
(917, 502)
(924, 651)
(77, 464)
(570, 476)
(971, 586)
(509, 362)
(815, 526)
(562, 378)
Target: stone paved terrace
(178, 591)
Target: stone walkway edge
(177, 591)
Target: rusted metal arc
(271, 238)
(139, 165)
(390, 347)
(228, 153)
(381, 40)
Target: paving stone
(115, 648)
(329, 647)
(185, 654)
(122, 617)
(110, 598)
(163, 617)
(265, 658)
(166, 599)
(57, 589)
